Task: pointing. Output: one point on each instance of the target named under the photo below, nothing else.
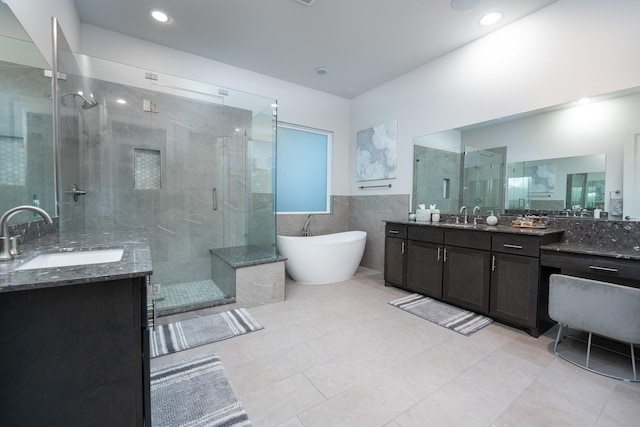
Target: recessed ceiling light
(322, 71)
(490, 18)
(159, 16)
(121, 101)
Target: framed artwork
(376, 152)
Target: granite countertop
(135, 262)
(483, 227)
(590, 249)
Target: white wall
(570, 49)
(35, 17)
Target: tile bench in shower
(256, 273)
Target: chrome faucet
(306, 231)
(475, 213)
(9, 245)
(466, 216)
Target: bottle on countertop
(491, 219)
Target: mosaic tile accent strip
(146, 169)
(13, 161)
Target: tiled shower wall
(195, 144)
(26, 140)
(365, 213)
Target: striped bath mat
(191, 333)
(195, 392)
(462, 321)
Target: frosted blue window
(302, 170)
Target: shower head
(86, 103)
(89, 104)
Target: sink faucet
(476, 212)
(466, 216)
(306, 227)
(6, 253)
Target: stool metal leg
(589, 350)
(559, 337)
(633, 363)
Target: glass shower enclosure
(187, 163)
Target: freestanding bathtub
(329, 258)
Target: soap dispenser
(491, 219)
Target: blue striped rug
(179, 336)
(195, 392)
(462, 321)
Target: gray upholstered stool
(600, 308)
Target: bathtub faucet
(306, 231)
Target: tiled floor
(176, 297)
(339, 355)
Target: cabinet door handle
(394, 232)
(493, 263)
(610, 270)
(445, 254)
(507, 245)
(403, 247)
(439, 253)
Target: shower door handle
(215, 199)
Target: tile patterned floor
(176, 295)
(339, 355)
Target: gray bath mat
(194, 392)
(462, 321)
(191, 333)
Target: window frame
(329, 136)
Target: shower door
(189, 206)
(483, 180)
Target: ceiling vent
(306, 2)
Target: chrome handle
(507, 245)
(403, 247)
(445, 254)
(394, 232)
(493, 263)
(439, 252)
(610, 270)
(75, 192)
(215, 199)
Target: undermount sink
(67, 259)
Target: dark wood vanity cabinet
(517, 297)
(75, 355)
(395, 259)
(425, 256)
(488, 272)
(466, 276)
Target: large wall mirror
(562, 160)
(26, 123)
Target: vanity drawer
(398, 231)
(616, 270)
(468, 239)
(516, 244)
(426, 234)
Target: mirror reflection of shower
(86, 103)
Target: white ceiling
(362, 43)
